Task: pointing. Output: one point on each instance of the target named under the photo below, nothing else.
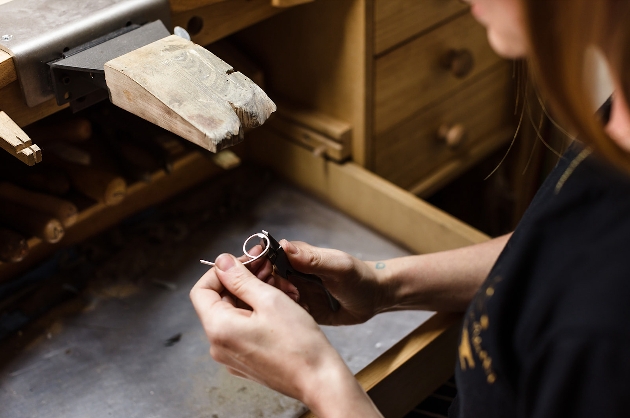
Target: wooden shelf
(188, 171)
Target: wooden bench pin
(15, 141)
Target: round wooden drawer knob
(460, 62)
(452, 135)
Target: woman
(546, 333)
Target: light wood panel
(396, 21)
(13, 103)
(368, 198)
(411, 150)
(184, 5)
(413, 368)
(317, 56)
(223, 18)
(412, 77)
(7, 69)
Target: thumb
(239, 281)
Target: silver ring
(247, 254)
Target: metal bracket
(38, 32)
(79, 77)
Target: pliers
(283, 268)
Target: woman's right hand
(356, 284)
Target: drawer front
(398, 20)
(408, 153)
(415, 75)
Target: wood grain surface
(7, 69)
(396, 21)
(411, 77)
(187, 90)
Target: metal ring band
(247, 254)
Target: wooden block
(13, 103)
(333, 128)
(15, 141)
(7, 69)
(226, 50)
(187, 90)
(315, 141)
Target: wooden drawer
(412, 150)
(413, 76)
(398, 20)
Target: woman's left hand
(276, 343)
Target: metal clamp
(39, 32)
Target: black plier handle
(283, 267)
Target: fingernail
(224, 262)
(294, 295)
(291, 288)
(290, 248)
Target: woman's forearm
(444, 281)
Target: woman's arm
(444, 281)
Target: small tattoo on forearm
(380, 265)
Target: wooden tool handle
(13, 246)
(39, 178)
(61, 209)
(31, 222)
(101, 185)
(97, 181)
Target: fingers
(240, 282)
(207, 292)
(262, 267)
(318, 261)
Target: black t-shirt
(548, 333)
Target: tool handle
(334, 303)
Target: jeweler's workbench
(344, 133)
(138, 350)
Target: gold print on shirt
(475, 323)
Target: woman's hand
(276, 343)
(354, 283)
